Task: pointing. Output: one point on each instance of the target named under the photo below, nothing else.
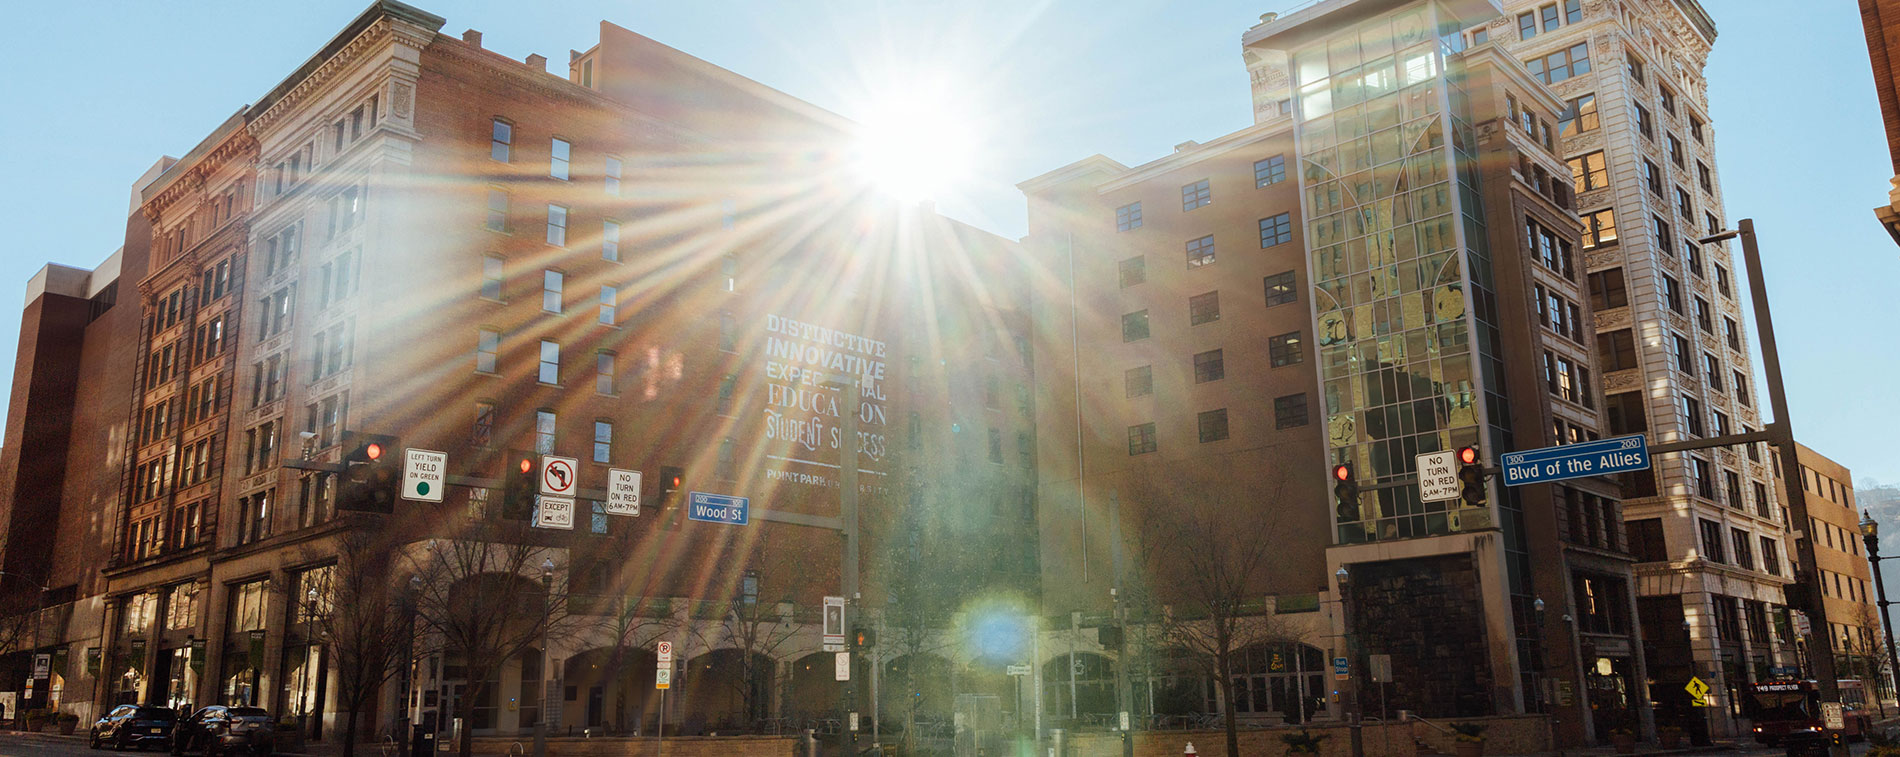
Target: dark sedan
(219, 729)
(132, 725)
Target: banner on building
(198, 656)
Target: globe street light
(1870, 533)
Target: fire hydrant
(1190, 750)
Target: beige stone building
(1840, 553)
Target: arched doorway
(726, 690)
(814, 691)
(611, 689)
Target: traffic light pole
(848, 511)
(1782, 436)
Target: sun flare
(917, 145)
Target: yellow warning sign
(1698, 692)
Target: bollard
(1190, 751)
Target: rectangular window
(1645, 125)
(1732, 488)
(1616, 350)
(1526, 25)
(1695, 128)
(501, 140)
(1573, 11)
(1712, 547)
(1685, 360)
(1770, 555)
(1138, 382)
(1667, 97)
(1135, 326)
(1599, 228)
(610, 241)
(1276, 230)
(558, 159)
(1704, 478)
(728, 332)
(1733, 333)
(1702, 317)
(1634, 67)
(1203, 308)
(1285, 349)
(1579, 117)
(609, 305)
(603, 441)
(550, 365)
(604, 372)
(1280, 289)
(544, 426)
(1269, 171)
(1195, 195)
(497, 210)
(1561, 65)
(1712, 371)
(1684, 208)
(487, 346)
(1134, 271)
(491, 277)
(1200, 252)
(1692, 417)
(1589, 171)
(551, 284)
(1741, 388)
(1646, 540)
(483, 431)
(1209, 366)
(1289, 411)
(1672, 294)
(1607, 289)
(996, 446)
(613, 171)
(1625, 413)
(1213, 425)
(1128, 217)
(1652, 177)
(557, 225)
(1141, 439)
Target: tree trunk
(1225, 666)
(465, 710)
(349, 734)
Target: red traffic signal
(374, 451)
(525, 465)
(1345, 494)
(1468, 455)
(1342, 473)
(1471, 477)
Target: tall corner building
(1673, 346)
(639, 261)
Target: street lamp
(547, 604)
(1353, 711)
(1870, 534)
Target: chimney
(472, 37)
(538, 62)
(573, 55)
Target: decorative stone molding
(357, 49)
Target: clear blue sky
(98, 91)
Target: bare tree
(482, 599)
(758, 631)
(349, 607)
(1218, 556)
(1870, 646)
(628, 623)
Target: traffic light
(670, 479)
(518, 487)
(863, 638)
(1471, 477)
(370, 473)
(1345, 494)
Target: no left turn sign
(557, 476)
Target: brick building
(644, 263)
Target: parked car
(134, 725)
(218, 729)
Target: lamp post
(1870, 534)
(309, 659)
(547, 604)
(1353, 709)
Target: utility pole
(1125, 719)
(1781, 434)
(848, 511)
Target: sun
(917, 144)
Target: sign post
(1699, 692)
(663, 680)
(424, 474)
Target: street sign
(663, 654)
(623, 492)
(663, 678)
(1698, 692)
(554, 512)
(1581, 460)
(1017, 670)
(1341, 671)
(1802, 627)
(1124, 720)
(854, 721)
(1832, 717)
(1783, 671)
(718, 508)
(42, 666)
(424, 474)
(1380, 666)
(1438, 476)
(842, 669)
(558, 477)
(834, 622)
